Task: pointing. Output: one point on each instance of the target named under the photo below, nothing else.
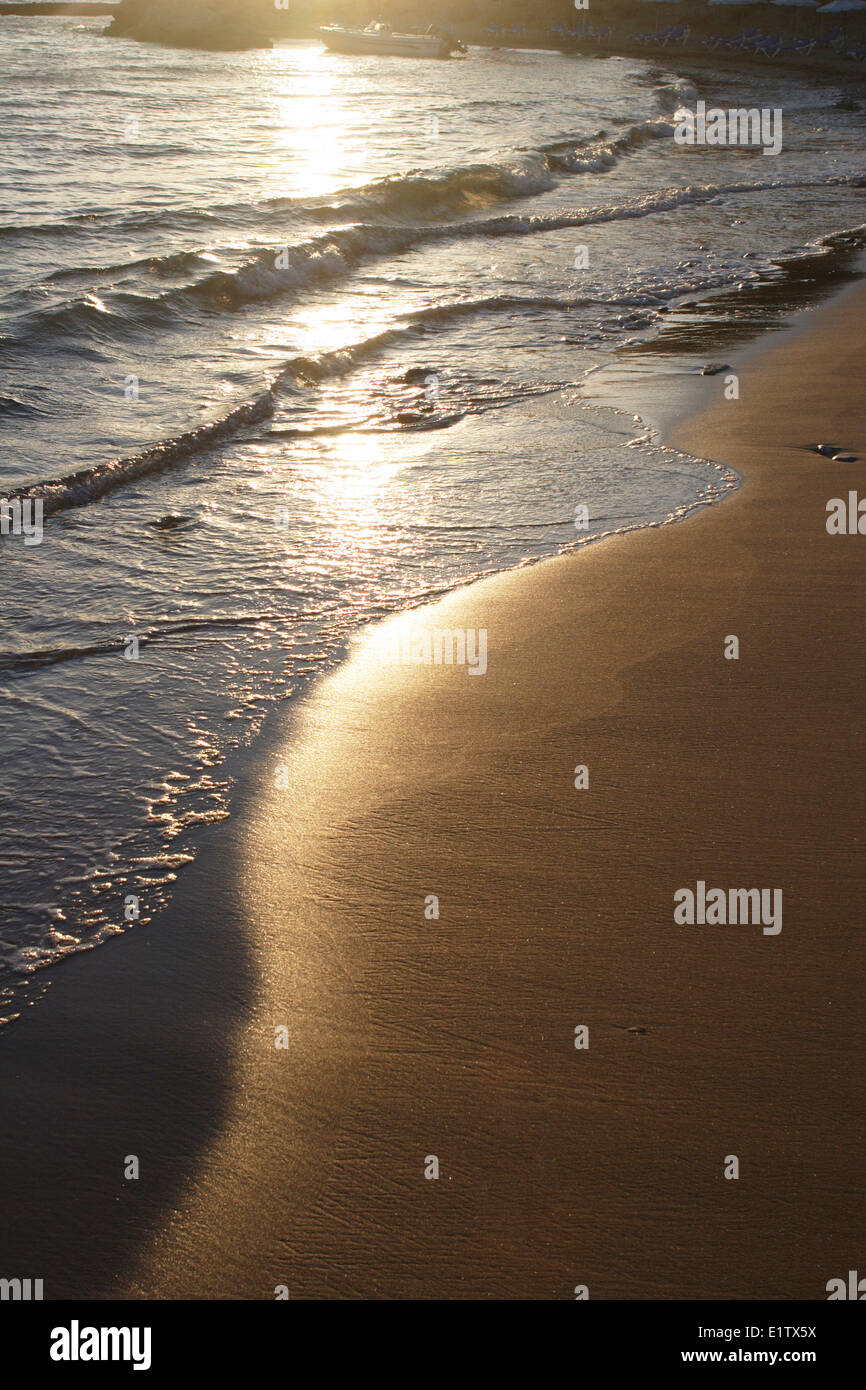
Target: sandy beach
(413, 1036)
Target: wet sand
(412, 1036)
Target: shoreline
(705, 53)
(411, 1036)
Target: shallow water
(348, 303)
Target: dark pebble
(170, 522)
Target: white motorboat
(380, 38)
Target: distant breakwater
(72, 7)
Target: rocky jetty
(218, 25)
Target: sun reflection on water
(322, 130)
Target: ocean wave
(414, 193)
(12, 405)
(604, 152)
(88, 485)
(280, 271)
(407, 196)
(172, 263)
(524, 174)
(37, 658)
(92, 316)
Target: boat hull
(360, 41)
